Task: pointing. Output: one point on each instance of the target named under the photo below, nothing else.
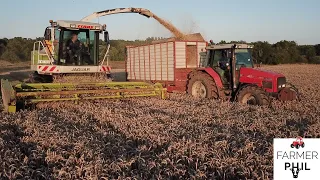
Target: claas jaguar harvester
(52, 61)
(224, 71)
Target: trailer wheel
(253, 95)
(202, 85)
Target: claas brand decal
(85, 26)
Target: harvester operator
(73, 46)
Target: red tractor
(227, 71)
(297, 143)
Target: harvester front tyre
(253, 95)
(202, 85)
(34, 78)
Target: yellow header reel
(45, 92)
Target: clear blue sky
(248, 20)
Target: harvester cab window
(80, 51)
(56, 43)
(47, 34)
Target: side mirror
(106, 37)
(47, 34)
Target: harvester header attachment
(24, 94)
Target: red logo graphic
(297, 143)
(85, 27)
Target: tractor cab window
(78, 47)
(243, 58)
(220, 57)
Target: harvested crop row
(145, 138)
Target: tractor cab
(73, 43)
(219, 58)
(227, 70)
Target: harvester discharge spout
(24, 94)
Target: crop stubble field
(149, 138)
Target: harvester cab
(227, 71)
(69, 47)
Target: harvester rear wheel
(202, 85)
(253, 95)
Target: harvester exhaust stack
(24, 94)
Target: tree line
(19, 49)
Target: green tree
(263, 53)
(222, 42)
(311, 54)
(317, 48)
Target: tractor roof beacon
(227, 71)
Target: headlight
(281, 82)
(97, 27)
(72, 25)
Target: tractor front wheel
(202, 85)
(253, 95)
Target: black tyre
(38, 78)
(302, 145)
(202, 85)
(292, 146)
(253, 95)
(297, 146)
(35, 78)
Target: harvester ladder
(40, 46)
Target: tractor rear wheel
(202, 85)
(253, 95)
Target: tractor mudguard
(214, 75)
